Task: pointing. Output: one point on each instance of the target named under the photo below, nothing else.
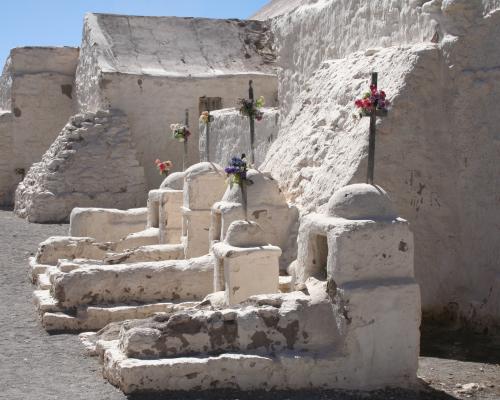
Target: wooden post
(371, 143)
(245, 198)
(207, 142)
(244, 192)
(252, 125)
(185, 153)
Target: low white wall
(230, 136)
(106, 224)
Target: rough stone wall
(37, 87)
(92, 163)
(227, 136)
(437, 151)
(154, 69)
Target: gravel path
(38, 366)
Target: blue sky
(59, 22)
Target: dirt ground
(38, 366)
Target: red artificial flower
(367, 103)
(359, 103)
(162, 167)
(373, 88)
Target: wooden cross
(252, 124)
(373, 131)
(207, 133)
(185, 153)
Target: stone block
(247, 265)
(106, 225)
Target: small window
(210, 104)
(319, 256)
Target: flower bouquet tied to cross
(180, 132)
(373, 102)
(237, 170)
(250, 108)
(164, 167)
(206, 118)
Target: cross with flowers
(251, 108)
(373, 104)
(185, 153)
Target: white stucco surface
(229, 136)
(437, 169)
(106, 225)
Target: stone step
(226, 371)
(285, 284)
(97, 317)
(44, 302)
(43, 281)
(36, 269)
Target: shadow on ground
(461, 344)
(424, 393)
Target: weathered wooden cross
(207, 136)
(373, 131)
(185, 153)
(252, 124)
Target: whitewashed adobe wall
(37, 87)
(230, 135)
(92, 163)
(155, 78)
(6, 169)
(329, 29)
(437, 150)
